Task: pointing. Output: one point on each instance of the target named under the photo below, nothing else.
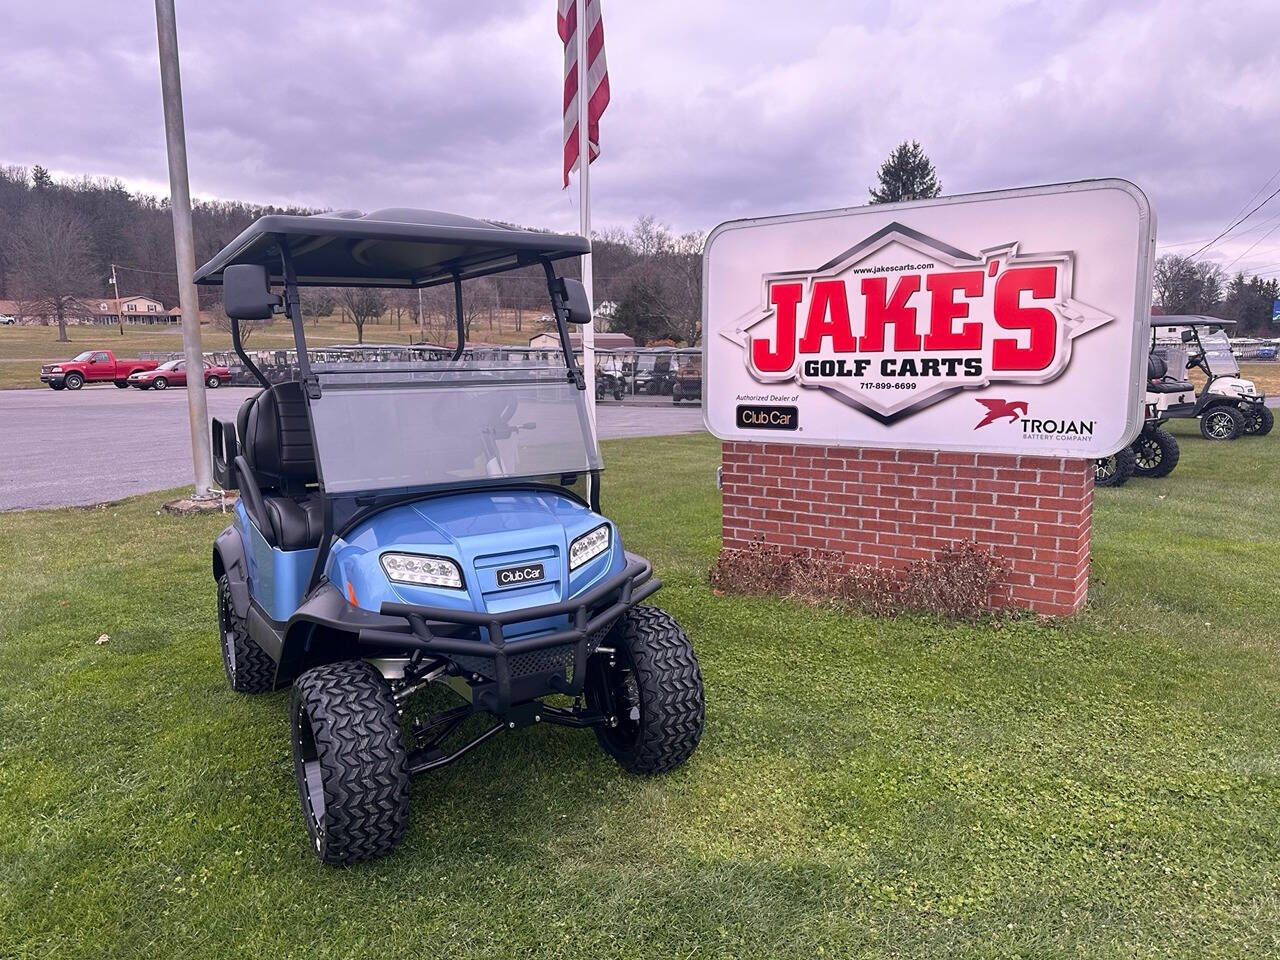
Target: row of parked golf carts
(1227, 405)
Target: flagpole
(584, 205)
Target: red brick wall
(887, 508)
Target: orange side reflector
(351, 594)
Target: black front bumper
(526, 667)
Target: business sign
(1275, 311)
(1014, 322)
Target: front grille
(535, 662)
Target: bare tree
(363, 304)
(1183, 285)
(50, 264)
(223, 322)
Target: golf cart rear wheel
(651, 689)
(249, 668)
(1259, 421)
(1156, 453)
(349, 761)
(1115, 470)
(1222, 423)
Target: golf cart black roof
(1188, 320)
(396, 247)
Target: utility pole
(184, 245)
(115, 286)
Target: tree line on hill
(59, 240)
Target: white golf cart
(1227, 405)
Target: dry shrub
(961, 580)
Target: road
(100, 444)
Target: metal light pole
(183, 245)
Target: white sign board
(1011, 322)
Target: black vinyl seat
(275, 440)
(1158, 379)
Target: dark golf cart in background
(1156, 452)
(423, 524)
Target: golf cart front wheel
(349, 761)
(1259, 421)
(1115, 470)
(1222, 423)
(249, 669)
(1156, 453)
(650, 689)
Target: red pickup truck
(93, 366)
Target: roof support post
(457, 310)
(293, 310)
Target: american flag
(597, 79)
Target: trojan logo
(1011, 410)
(900, 321)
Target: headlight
(431, 571)
(588, 546)
(55, 369)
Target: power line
(1237, 223)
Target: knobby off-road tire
(350, 762)
(1259, 422)
(249, 669)
(656, 689)
(1156, 452)
(1115, 470)
(1222, 423)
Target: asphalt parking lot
(101, 444)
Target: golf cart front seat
(275, 442)
(1158, 379)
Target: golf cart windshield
(449, 422)
(1218, 355)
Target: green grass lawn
(1106, 786)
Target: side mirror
(573, 295)
(246, 292)
(1188, 336)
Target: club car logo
(525, 573)
(900, 321)
(1016, 411)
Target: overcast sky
(721, 108)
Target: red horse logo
(1009, 410)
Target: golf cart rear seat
(275, 444)
(1158, 379)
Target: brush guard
(456, 635)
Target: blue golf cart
(409, 525)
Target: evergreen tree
(641, 313)
(908, 174)
(41, 178)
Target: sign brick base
(888, 508)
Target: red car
(174, 374)
(92, 366)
